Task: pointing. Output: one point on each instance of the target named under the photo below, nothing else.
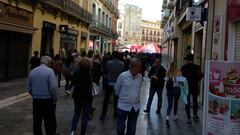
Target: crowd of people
(121, 75)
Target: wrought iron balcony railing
(66, 6)
(181, 5)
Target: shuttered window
(237, 42)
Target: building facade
(215, 37)
(151, 32)
(132, 24)
(104, 26)
(45, 26)
(120, 24)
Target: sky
(151, 8)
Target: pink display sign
(222, 98)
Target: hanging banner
(222, 98)
(217, 37)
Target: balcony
(69, 7)
(164, 5)
(165, 16)
(170, 4)
(100, 28)
(111, 7)
(181, 6)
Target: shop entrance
(14, 54)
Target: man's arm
(118, 84)
(52, 85)
(29, 85)
(150, 73)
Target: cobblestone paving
(17, 118)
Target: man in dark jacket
(113, 69)
(157, 74)
(193, 74)
(35, 60)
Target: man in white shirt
(127, 88)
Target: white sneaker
(72, 133)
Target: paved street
(16, 118)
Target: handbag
(95, 89)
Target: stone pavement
(16, 119)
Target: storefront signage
(196, 14)
(222, 98)
(65, 29)
(49, 26)
(193, 14)
(15, 15)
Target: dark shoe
(158, 112)
(146, 111)
(102, 117)
(167, 123)
(195, 117)
(189, 121)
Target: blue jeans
(152, 91)
(173, 96)
(131, 117)
(85, 107)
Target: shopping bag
(95, 89)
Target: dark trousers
(69, 83)
(131, 118)
(173, 99)
(109, 91)
(195, 105)
(152, 92)
(44, 109)
(59, 75)
(85, 108)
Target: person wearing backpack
(193, 74)
(157, 74)
(175, 85)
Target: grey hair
(134, 62)
(45, 60)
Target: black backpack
(169, 84)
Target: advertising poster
(222, 102)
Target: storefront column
(56, 42)
(88, 39)
(79, 42)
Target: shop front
(16, 29)
(47, 38)
(68, 38)
(233, 17)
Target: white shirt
(128, 89)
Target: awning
(16, 27)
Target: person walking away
(114, 68)
(57, 67)
(82, 95)
(127, 88)
(157, 74)
(96, 73)
(96, 68)
(68, 70)
(193, 74)
(174, 83)
(35, 60)
(42, 86)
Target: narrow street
(16, 118)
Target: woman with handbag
(82, 94)
(176, 87)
